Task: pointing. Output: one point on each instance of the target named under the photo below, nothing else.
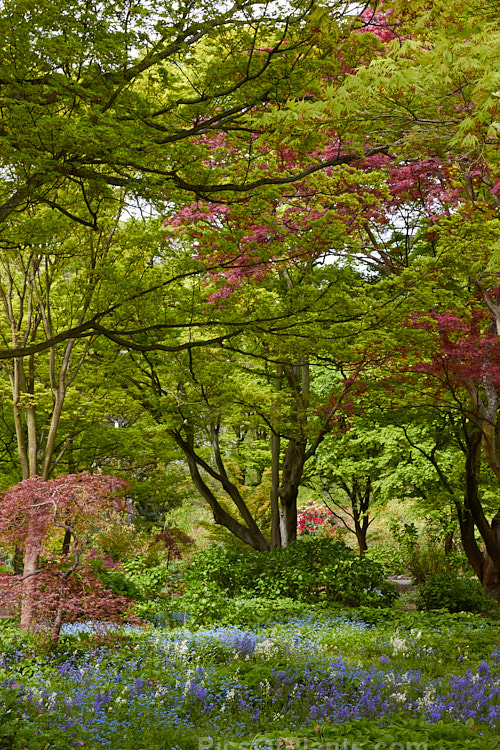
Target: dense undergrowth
(357, 677)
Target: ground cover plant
(326, 677)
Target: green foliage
(116, 581)
(160, 612)
(17, 733)
(374, 735)
(260, 610)
(15, 645)
(393, 559)
(204, 601)
(150, 578)
(416, 553)
(447, 591)
(308, 571)
(431, 559)
(203, 605)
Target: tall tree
(106, 95)
(259, 379)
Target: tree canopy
(245, 230)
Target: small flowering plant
(315, 519)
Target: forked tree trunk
(360, 503)
(471, 516)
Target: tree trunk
(360, 505)
(275, 500)
(471, 516)
(66, 545)
(56, 626)
(448, 542)
(17, 381)
(293, 466)
(250, 533)
(491, 571)
(31, 557)
(18, 560)
(465, 516)
(361, 530)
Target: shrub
(204, 602)
(310, 570)
(149, 579)
(115, 579)
(315, 519)
(259, 610)
(424, 553)
(393, 559)
(447, 591)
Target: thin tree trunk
(275, 477)
(17, 389)
(275, 480)
(491, 571)
(31, 420)
(56, 626)
(471, 498)
(31, 557)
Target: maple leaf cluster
(465, 351)
(38, 514)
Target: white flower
(265, 686)
(266, 649)
(399, 697)
(427, 698)
(399, 645)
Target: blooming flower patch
(228, 682)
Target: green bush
(393, 559)
(447, 591)
(204, 602)
(116, 581)
(310, 571)
(262, 611)
(417, 554)
(149, 577)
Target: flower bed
(152, 688)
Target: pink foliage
(212, 214)
(84, 596)
(39, 513)
(85, 495)
(427, 181)
(468, 351)
(380, 24)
